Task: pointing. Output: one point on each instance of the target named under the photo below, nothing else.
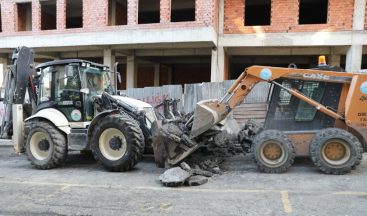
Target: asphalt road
(82, 187)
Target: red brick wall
(95, 17)
(284, 17)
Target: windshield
(96, 80)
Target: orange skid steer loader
(312, 112)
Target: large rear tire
(273, 151)
(117, 143)
(46, 146)
(335, 151)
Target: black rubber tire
(321, 138)
(283, 140)
(56, 139)
(134, 139)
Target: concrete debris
(224, 145)
(196, 180)
(185, 166)
(248, 133)
(174, 177)
(202, 172)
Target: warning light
(322, 61)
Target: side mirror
(69, 71)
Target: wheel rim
(112, 144)
(40, 145)
(336, 152)
(272, 152)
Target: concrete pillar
(109, 60)
(333, 60)
(359, 14)
(220, 16)
(157, 68)
(3, 65)
(354, 53)
(217, 65)
(354, 58)
(131, 71)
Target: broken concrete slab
(196, 180)
(185, 166)
(202, 172)
(174, 177)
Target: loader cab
(288, 113)
(70, 87)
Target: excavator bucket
(207, 114)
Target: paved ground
(82, 187)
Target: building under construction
(159, 42)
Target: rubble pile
(204, 163)
(185, 175)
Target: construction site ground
(82, 187)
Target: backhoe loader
(320, 112)
(70, 105)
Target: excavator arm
(18, 79)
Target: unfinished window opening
(257, 12)
(24, 16)
(313, 11)
(74, 13)
(117, 12)
(149, 11)
(182, 11)
(48, 15)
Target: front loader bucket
(207, 114)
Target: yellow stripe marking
(286, 202)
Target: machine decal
(76, 115)
(266, 74)
(66, 103)
(316, 76)
(364, 88)
(341, 79)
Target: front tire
(273, 151)
(46, 146)
(335, 151)
(117, 143)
